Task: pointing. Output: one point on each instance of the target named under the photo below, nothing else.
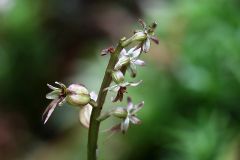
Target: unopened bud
(139, 36)
(117, 77)
(119, 112)
(77, 95)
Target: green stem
(94, 124)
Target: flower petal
(138, 107)
(50, 108)
(132, 70)
(139, 62)
(134, 84)
(85, 114)
(123, 52)
(111, 88)
(130, 51)
(115, 128)
(146, 45)
(62, 102)
(155, 39)
(136, 53)
(54, 94)
(121, 62)
(125, 84)
(61, 84)
(125, 125)
(135, 120)
(119, 96)
(52, 87)
(130, 104)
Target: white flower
(131, 110)
(127, 114)
(149, 34)
(130, 59)
(121, 88)
(75, 94)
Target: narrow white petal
(135, 84)
(62, 102)
(60, 84)
(146, 45)
(121, 62)
(123, 52)
(50, 108)
(136, 53)
(52, 87)
(125, 125)
(130, 51)
(138, 107)
(132, 69)
(111, 88)
(53, 95)
(139, 62)
(130, 104)
(135, 120)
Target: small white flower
(127, 114)
(131, 114)
(121, 88)
(149, 34)
(130, 59)
(75, 94)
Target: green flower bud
(119, 112)
(139, 36)
(77, 95)
(118, 77)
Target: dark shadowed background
(191, 82)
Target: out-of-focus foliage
(191, 82)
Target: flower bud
(77, 95)
(119, 112)
(118, 77)
(139, 36)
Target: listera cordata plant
(125, 57)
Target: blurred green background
(191, 82)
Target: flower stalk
(94, 123)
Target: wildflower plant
(91, 104)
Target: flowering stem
(94, 123)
